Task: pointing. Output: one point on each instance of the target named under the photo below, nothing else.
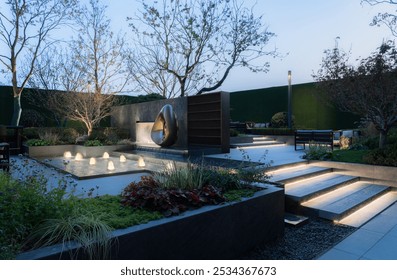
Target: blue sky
(304, 29)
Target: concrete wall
(128, 115)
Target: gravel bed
(305, 242)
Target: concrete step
(269, 142)
(295, 173)
(342, 202)
(261, 138)
(304, 190)
(369, 211)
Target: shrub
(179, 188)
(317, 152)
(30, 133)
(344, 142)
(386, 156)
(149, 195)
(69, 135)
(50, 137)
(37, 142)
(23, 206)
(91, 143)
(280, 120)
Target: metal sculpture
(165, 129)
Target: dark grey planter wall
(214, 232)
(128, 115)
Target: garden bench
(5, 157)
(323, 137)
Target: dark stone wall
(128, 115)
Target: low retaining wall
(58, 150)
(213, 232)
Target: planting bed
(225, 231)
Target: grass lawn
(353, 156)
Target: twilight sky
(304, 29)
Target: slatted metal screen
(208, 120)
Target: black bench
(324, 137)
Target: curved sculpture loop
(165, 129)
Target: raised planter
(225, 231)
(58, 150)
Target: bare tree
(25, 30)
(368, 90)
(89, 74)
(195, 43)
(53, 77)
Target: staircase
(322, 192)
(255, 141)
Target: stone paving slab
(335, 254)
(376, 240)
(385, 249)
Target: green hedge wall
(310, 112)
(6, 108)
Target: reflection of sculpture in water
(165, 129)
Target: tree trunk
(382, 138)
(16, 116)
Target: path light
(78, 157)
(110, 165)
(92, 161)
(141, 162)
(67, 154)
(105, 155)
(122, 158)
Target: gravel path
(304, 242)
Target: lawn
(353, 156)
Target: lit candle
(123, 158)
(105, 155)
